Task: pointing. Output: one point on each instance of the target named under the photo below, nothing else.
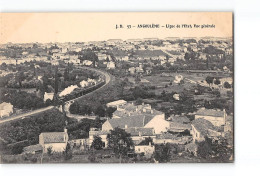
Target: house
(33, 149)
(117, 103)
(111, 65)
(48, 96)
(87, 62)
(178, 79)
(192, 148)
(139, 134)
(142, 116)
(179, 124)
(95, 132)
(68, 90)
(57, 141)
(147, 150)
(6, 109)
(176, 96)
(216, 117)
(201, 128)
(167, 137)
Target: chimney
(125, 126)
(65, 130)
(150, 144)
(140, 134)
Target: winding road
(28, 114)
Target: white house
(103, 134)
(216, 117)
(117, 103)
(178, 79)
(201, 128)
(48, 96)
(111, 65)
(68, 90)
(148, 150)
(87, 62)
(130, 116)
(6, 109)
(57, 141)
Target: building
(57, 141)
(179, 124)
(117, 103)
(111, 65)
(6, 109)
(147, 150)
(216, 117)
(142, 116)
(178, 79)
(33, 149)
(48, 96)
(95, 132)
(166, 137)
(201, 128)
(139, 134)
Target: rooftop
(203, 126)
(131, 121)
(54, 137)
(140, 131)
(32, 148)
(115, 103)
(210, 112)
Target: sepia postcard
(116, 87)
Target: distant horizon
(143, 39)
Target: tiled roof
(179, 119)
(98, 133)
(131, 121)
(177, 125)
(203, 126)
(114, 103)
(5, 105)
(210, 112)
(141, 131)
(32, 148)
(54, 137)
(166, 136)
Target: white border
(247, 96)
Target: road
(24, 115)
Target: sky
(83, 27)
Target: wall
(159, 124)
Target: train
(82, 91)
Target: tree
(204, 148)
(120, 141)
(68, 152)
(162, 153)
(139, 101)
(110, 111)
(74, 108)
(97, 143)
(49, 151)
(217, 81)
(209, 80)
(227, 85)
(100, 111)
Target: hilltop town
(117, 101)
